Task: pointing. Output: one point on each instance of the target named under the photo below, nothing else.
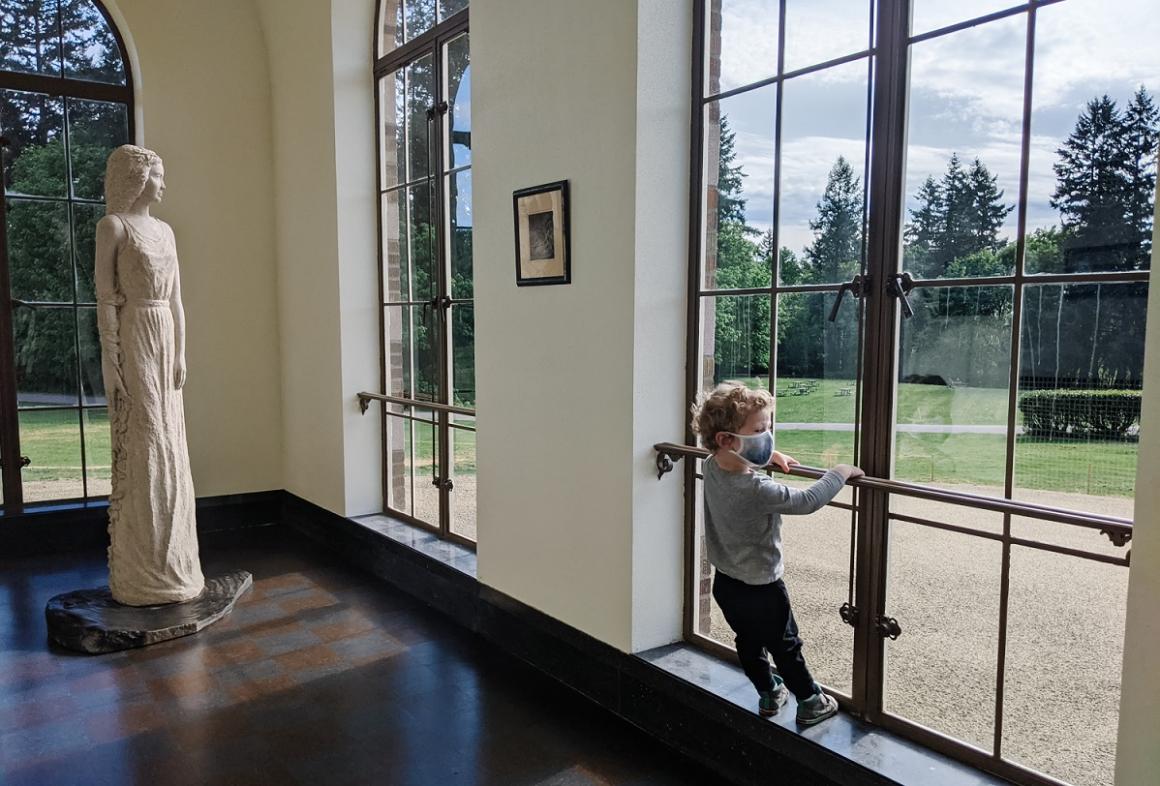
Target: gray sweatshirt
(743, 513)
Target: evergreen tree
(836, 253)
(987, 211)
(1094, 192)
(1142, 127)
(730, 202)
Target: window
(423, 78)
(927, 228)
(66, 100)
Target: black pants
(761, 617)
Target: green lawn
(916, 403)
(52, 440)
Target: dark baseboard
(739, 745)
(52, 529)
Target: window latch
(25, 461)
(444, 483)
(899, 285)
(858, 286)
(849, 614)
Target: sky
(966, 93)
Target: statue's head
(126, 175)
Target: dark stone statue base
(91, 621)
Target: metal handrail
(1119, 530)
(365, 399)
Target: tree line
(1073, 335)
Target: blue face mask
(756, 449)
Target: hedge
(1079, 413)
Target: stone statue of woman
(153, 558)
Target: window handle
(858, 286)
(898, 285)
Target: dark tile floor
(321, 675)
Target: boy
(743, 510)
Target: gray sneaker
(816, 709)
(771, 701)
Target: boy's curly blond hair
(726, 408)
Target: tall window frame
(422, 110)
(881, 296)
(66, 62)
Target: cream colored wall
(554, 365)
(297, 34)
(1138, 752)
(319, 55)
(203, 103)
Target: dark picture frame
(543, 235)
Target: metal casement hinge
(888, 627)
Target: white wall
(203, 104)
(1138, 752)
(664, 41)
(554, 365)
(576, 383)
(319, 55)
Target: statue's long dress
(153, 558)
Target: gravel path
(1065, 629)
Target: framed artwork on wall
(542, 235)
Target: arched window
(423, 90)
(66, 100)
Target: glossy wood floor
(321, 675)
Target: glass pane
(34, 160)
(39, 251)
(1081, 371)
(423, 463)
(420, 17)
(52, 441)
(954, 370)
(449, 7)
(390, 25)
(817, 573)
(398, 458)
(1094, 127)
(90, 47)
(393, 134)
(420, 97)
(95, 128)
(462, 224)
(821, 30)
(413, 351)
(941, 671)
(739, 153)
(948, 513)
(930, 15)
(735, 340)
(421, 228)
(396, 270)
(962, 170)
(1065, 644)
(459, 99)
(400, 350)
(823, 160)
(31, 37)
(92, 383)
(817, 362)
(741, 42)
(463, 355)
(85, 218)
(46, 357)
(463, 496)
(98, 452)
